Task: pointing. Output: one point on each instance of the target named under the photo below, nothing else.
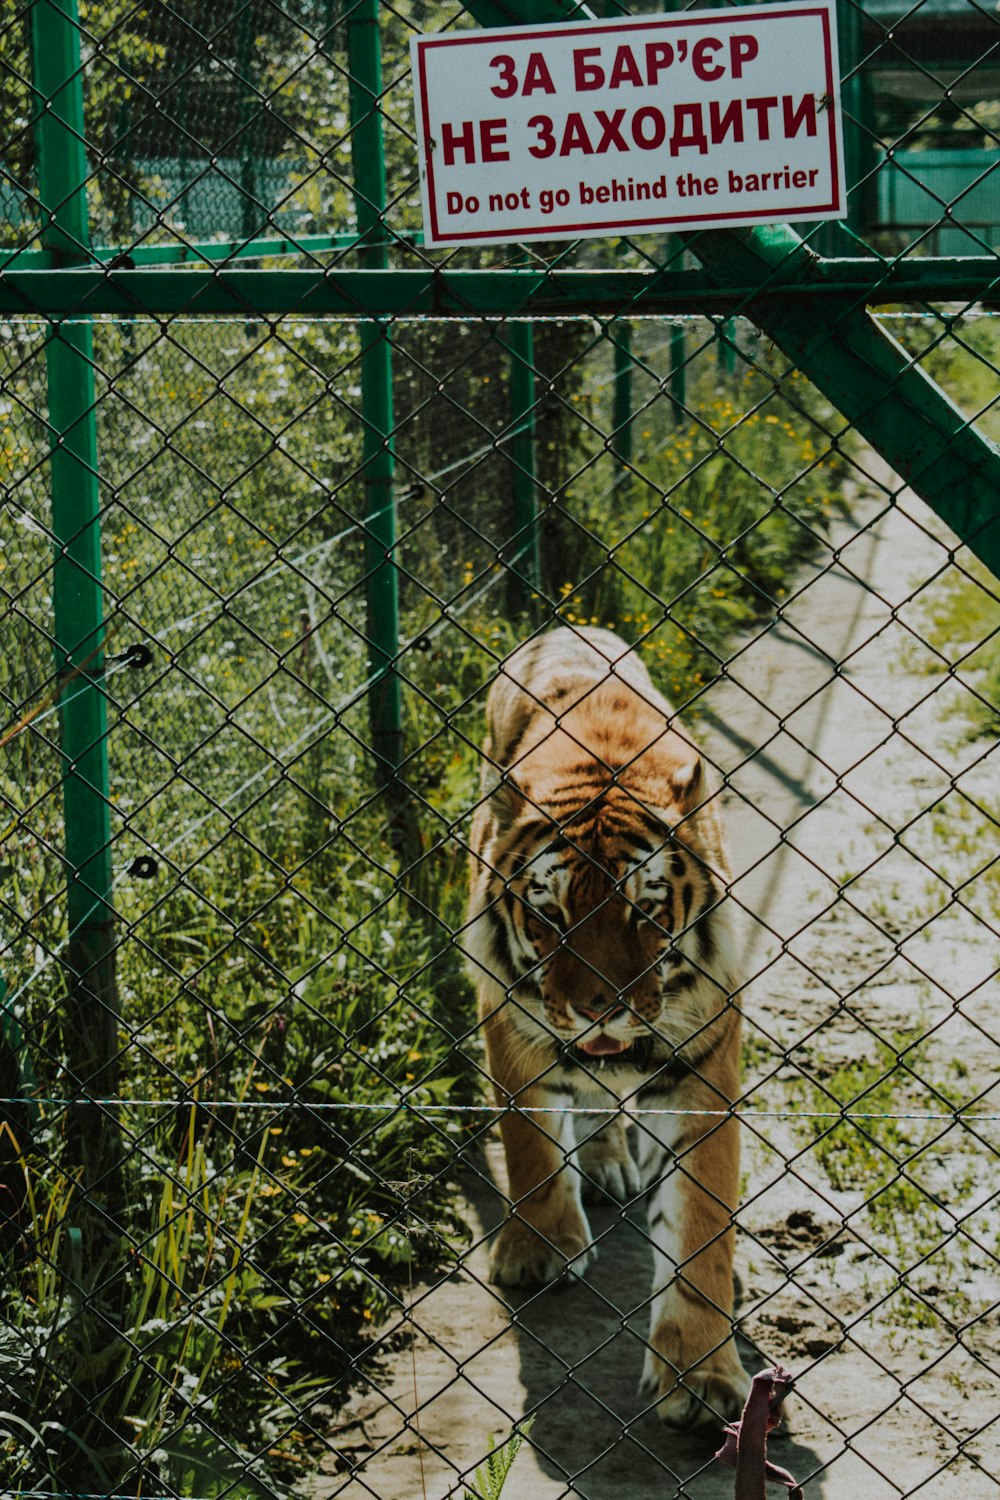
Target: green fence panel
(498, 808)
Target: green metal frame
(816, 310)
(741, 268)
(385, 699)
(622, 445)
(874, 383)
(78, 601)
(524, 560)
(180, 253)
(12, 1043)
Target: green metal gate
(284, 487)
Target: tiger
(599, 939)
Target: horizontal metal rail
(179, 252)
(461, 294)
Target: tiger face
(602, 927)
(599, 941)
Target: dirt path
(838, 745)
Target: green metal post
(17, 1072)
(725, 352)
(851, 99)
(678, 372)
(865, 209)
(678, 361)
(78, 603)
(249, 116)
(385, 710)
(91, 1420)
(621, 416)
(839, 236)
(524, 560)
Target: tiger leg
(547, 1232)
(604, 1158)
(692, 1367)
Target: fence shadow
(580, 1349)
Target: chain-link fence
(284, 489)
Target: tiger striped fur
(600, 944)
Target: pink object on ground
(745, 1448)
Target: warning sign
(690, 121)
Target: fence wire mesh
(261, 572)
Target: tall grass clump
(701, 534)
(275, 1207)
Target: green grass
(705, 538)
(906, 1179)
(280, 1211)
(963, 623)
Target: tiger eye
(546, 917)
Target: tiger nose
(599, 1008)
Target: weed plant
(911, 1185)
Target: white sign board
(694, 120)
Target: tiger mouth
(637, 1053)
(603, 1045)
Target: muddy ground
(854, 808)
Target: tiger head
(601, 909)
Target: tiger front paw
(711, 1393)
(607, 1167)
(525, 1256)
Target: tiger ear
(687, 788)
(686, 782)
(505, 797)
